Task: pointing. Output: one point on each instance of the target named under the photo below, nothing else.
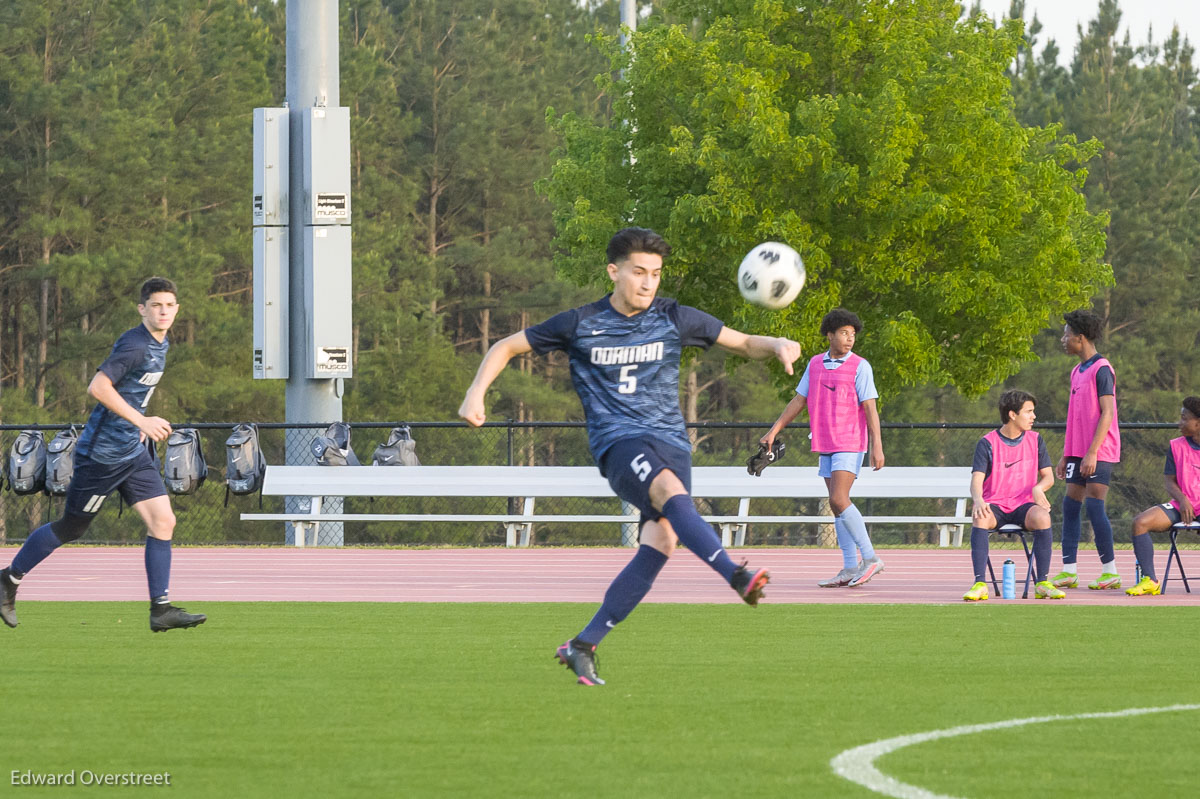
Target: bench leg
(727, 534)
(739, 535)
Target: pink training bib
(1083, 414)
(839, 423)
(1187, 470)
(1014, 473)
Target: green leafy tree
(878, 138)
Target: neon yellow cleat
(978, 593)
(1145, 587)
(1065, 580)
(1046, 590)
(1105, 580)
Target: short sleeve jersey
(135, 366)
(626, 368)
(983, 453)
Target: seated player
(1181, 477)
(1009, 480)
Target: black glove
(765, 457)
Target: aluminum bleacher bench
(534, 482)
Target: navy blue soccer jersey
(626, 368)
(135, 366)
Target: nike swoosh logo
(831, 388)
(713, 556)
(174, 458)
(1010, 465)
(1074, 390)
(598, 332)
(609, 624)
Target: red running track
(529, 575)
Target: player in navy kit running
(114, 454)
(624, 356)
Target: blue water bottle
(1137, 572)
(1009, 584)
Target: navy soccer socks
(1071, 529)
(1143, 550)
(979, 553)
(37, 547)
(158, 568)
(1098, 515)
(625, 593)
(698, 535)
(1043, 541)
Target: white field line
(858, 764)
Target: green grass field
(327, 699)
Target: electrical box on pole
(326, 156)
(270, 302)
(270, 216)
(329, 332)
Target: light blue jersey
(626, 368)
(135, 366)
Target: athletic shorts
(136, 479)
(1103, 473)
(1015, 516)
(830, 462)
(631, 464)
(1172, 512)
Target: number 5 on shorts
(640, 467)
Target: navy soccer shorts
(1015, 516)
(1103, 473)
(137, 479)
(631, 465)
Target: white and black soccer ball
(771, 275)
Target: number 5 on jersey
(628, 379)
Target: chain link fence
(211, 517)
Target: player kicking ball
(624, 354)
(112, 454)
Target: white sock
(1070, 568)
(1110, 567)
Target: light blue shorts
(830, 462)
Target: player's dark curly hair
(1192, 405)
(629, 240)
(839, 318)
(154, 285)
(1014, 400)
(1085, 323)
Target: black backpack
(333, 448)
(400, 449)
(60, 462)
(26, 465)
(245, 465)
(184, 469)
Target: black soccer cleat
(749, 583)
(8, 599)
(580, 658)
(765, 457)
(169, 617)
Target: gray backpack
(400, 449)
(245, 465)
(184, 469)
(27, 463)
(333, 448)
(60, 462)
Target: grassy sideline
(339, 699)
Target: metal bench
(534, 482)
(1176, 529)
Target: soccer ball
(771, 275)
